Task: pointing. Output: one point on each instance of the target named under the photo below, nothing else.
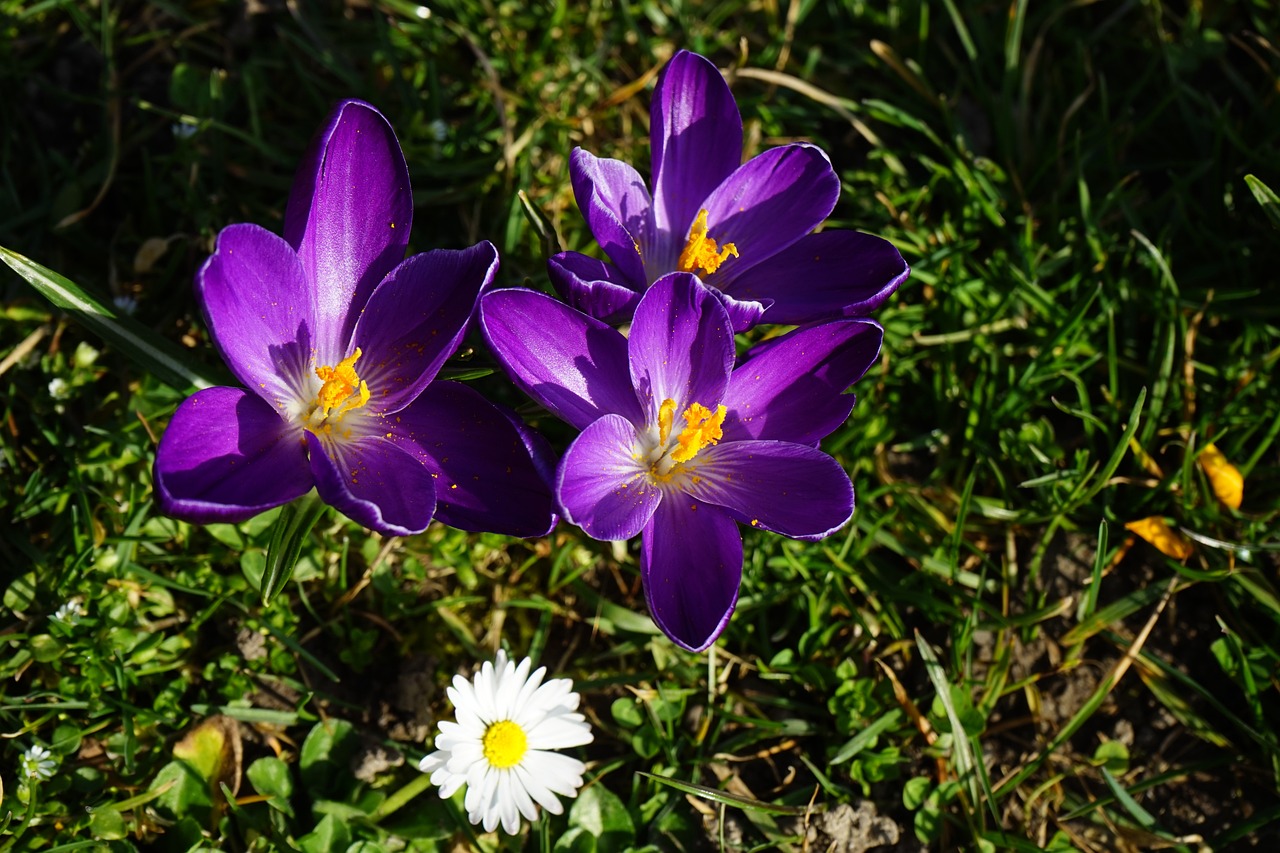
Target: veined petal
(416, 318)
(792, 489)
(743, 314)
(769, 203)
(574, 365)
(348, 216)
(822, 276)
(594, 287)
(617, 207)
(486, 478)
(603, 488)
(258, 303)
(681, 345)
(691, 565)
(792, 388)
(227, 456)
(695, 131)
(375, 483)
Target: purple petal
(485, 477)
(375, 483)
(792, 388)
(616, 204)
(695, 132)
(572, 364)
(594, 287)
(742, 314)
(826, 275)
(691, 565)
(770, 202)
(681, 344)
(258, 304)
(601, 485)
(416, 318)
(228, 456)
(349, 216)
(791, 489)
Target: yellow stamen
(666, 415)
(701, 252)
(702, 427)
(504, 744)
(342, 389)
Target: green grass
(984, 654)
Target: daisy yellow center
(504, 744)
(701, 252)
(702, 427)
(342, 390)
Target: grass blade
(1266, 197)
(152, 353)
(727, 799)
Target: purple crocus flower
(337, 338)
(679, 445)
(744, 229)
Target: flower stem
(394, 802)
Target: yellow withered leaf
(1225, 478)
(1166, 540)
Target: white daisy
(508, 722)
(38, 764)
(70, 612)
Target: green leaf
(108, 825)
(184, 794)
(599, 814)
(626, 712)
(366, 847)
(324, 762)
(292, 528)
(576, 840)
(330, 836)
(916, 792)
(21, 593)
(270, 777)
(151, 352)
(1112, 755)
(1266, 197)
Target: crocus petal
(572, 364)
(375, 483)
(258, 304)
(691, 566)
(792, 489)
(593, 286)
(486, 478)
(416, 318)
(228, 456)
(348, 216)
(681, 344)
(613, 198)
(602, 487)
(695, 131)
(769, 203)
(792, 388)
(831, 274)
(743, 314)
